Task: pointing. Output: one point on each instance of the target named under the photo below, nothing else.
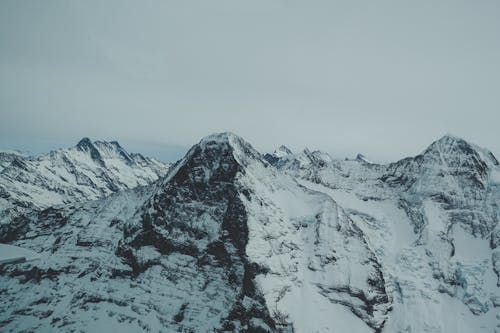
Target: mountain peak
(453, 147)
(362, 158)
(449, 139)
(241, 149)
(450, 144)
(217, 156)
(84, 143)
(220, 137)
(282, 151)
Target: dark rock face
(203, 192)
(19, 225)
(86, 145)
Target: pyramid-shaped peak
(217, 157)
(451, 144)
(362, 158)
(455, 150)
(214, 146)
(450, 139)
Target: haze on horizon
(384, 79)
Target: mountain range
(231, 240)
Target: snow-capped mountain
(230, 240)
(88, 171)
(432, 220)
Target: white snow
(320, 231)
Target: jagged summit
(282, 151)
(87, 145)
(104, 152)
(84, 143)
(89, 170)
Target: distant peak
(362, 158)
(116, 144)
(282, 151)
(84, 143)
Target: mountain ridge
(87, 171)
(230, 240)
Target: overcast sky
(384, 78)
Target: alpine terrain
(230, 240)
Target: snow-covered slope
(224, 242)
(88, 171)
(233, 241)
(432, 220)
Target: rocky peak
(86, 145)
(450, 156)
(113, 150)
(202, 189)
(282, 151)
(87, 171)
(6, 158)
(450, 145)
(457, 151)
(362, 158)
(211, 149)
(456, 157)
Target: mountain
(432, 220)
(230, 240)
(88, 171)
(6, 158)
(362, 158)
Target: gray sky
(384, 78)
